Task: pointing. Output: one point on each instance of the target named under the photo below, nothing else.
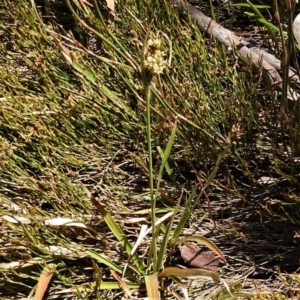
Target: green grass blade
(100, 258)
(185, 216)
(178, 272)
(166, 238)
(118, 233)
(166, 154)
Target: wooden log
(268, 63)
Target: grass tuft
(124, 134)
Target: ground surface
(60, 141)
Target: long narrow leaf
(152, 286)
(178, 272)
(185, 216)
(100, 258)
(118, 233)
(165, 157)
(166, 237)
(166, 153)
(44, 281)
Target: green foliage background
(73, 120)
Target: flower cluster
(154, 57)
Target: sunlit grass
(84, 115)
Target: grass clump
(125, 125)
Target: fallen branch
(269, 64)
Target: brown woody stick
(261, 59)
